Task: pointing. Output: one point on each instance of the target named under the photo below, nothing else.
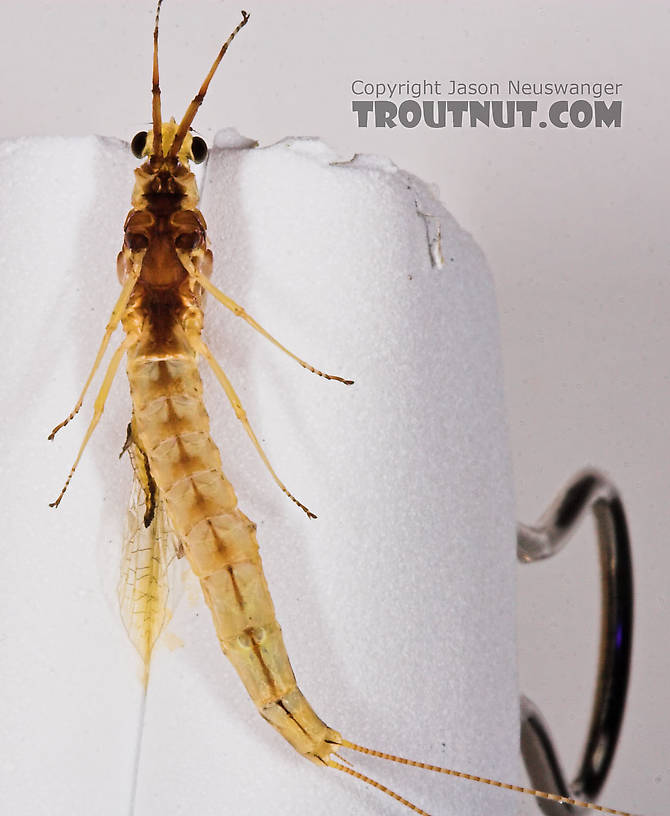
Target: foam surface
(397, 603)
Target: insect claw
(329, 376)
(306, 510)
(57, 428)
(62, 493)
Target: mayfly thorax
(188, 505)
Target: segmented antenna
(157, 152)
(192, 109)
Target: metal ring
(588, 490)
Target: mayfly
(183, 503)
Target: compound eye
(138, 144)
(198, 150)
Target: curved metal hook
(588, 490)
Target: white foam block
(397, 603)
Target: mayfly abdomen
(171, 427)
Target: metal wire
(589, 491)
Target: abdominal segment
(172, 427)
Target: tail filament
(564, 800)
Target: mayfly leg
(99, 406)
(237, 310)
(114, 319)
(199, 345)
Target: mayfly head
(170, 146)
(193, 148)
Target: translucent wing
(147, 580)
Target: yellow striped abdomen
(171, 426)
